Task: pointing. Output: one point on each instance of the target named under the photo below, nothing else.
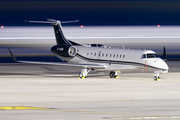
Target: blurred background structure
(92, 12)
(142, 24)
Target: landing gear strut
(114, 74)
(84, 72)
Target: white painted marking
(150, 118)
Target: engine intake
(72, 51)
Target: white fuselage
(117, 59)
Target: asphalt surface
(64, 96)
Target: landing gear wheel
(80, 76)
(155, 78)
(112, 74)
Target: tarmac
(43, 93)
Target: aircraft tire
(112, 74)
(155, 78)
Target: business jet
(99, 57)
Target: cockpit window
(152, 56)
(143, 56)
(93, 45)
(100, 45)
(156, 55)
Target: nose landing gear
(156, 75)
(156, 78)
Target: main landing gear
(114, 74)
(84, 73)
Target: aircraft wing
(65, 64)
(96, 66)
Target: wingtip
(12, 55)
(164, 54)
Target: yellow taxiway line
(21, 108)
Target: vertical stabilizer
(60, 38)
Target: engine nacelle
(64, 50)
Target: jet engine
(64, 50)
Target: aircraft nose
(163, 65)
(166, 66)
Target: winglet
(164, 54)
(12, 55)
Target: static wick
(2, 26)
(82, 26)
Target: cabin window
(114, 55)
(123, 56)
(94, 54)
(87, 53)
(106, 55)
(91, 53)
(120, 56)
(117, 55)
(110, 55)
(143, 56)
(102, 54)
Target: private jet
(99, 57)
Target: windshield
(152, 56)
(143, 56)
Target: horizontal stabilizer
(60, 38)
(70, 21)
(52, 21)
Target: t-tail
(60, 38)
